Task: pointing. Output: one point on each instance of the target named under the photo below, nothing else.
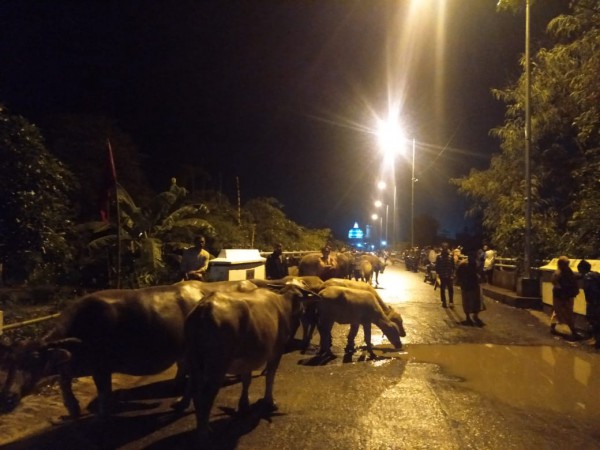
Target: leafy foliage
(36, 210)
(272, 226)
(80, 141)
(152, 236)
(565, 153)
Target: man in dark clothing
(444, 266)
(275, 265)
(591, 289)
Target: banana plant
(151, 236)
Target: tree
(80, 141)
(152, 237)
(36, 208)
(565, 154)
(271, 226)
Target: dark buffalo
(136, 332)
(311, 265)
(377, 265)
(308, 319)
(236, 333)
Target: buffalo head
(23, 364)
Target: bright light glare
(390, 137)
(381, 185)
(378, 203)
(374, 216)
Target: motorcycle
(430, 274)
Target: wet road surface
(508, 384)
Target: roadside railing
(12, 326)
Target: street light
(506, 4)
(381, 185)
(527, 256)
(391, 141)
(413, 180)
(379, 204)
(374, 217)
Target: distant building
(356, 235)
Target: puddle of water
(554, 378)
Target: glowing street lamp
(382, 185)
(376, 217)
(379, 204)
(391, 141)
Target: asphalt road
(507, 385)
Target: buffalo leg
(309, 321)
(103, 382)
(205, 388)
(325, 335)
(244, 403)
(351, 337)
(367, 331)
(272, 366)
(66, 388)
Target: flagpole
(113, 172)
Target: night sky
(283, 94)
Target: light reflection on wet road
(545, 377)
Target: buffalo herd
(209, 329)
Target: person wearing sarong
(591, 289)
(467, 276)
(564, 291)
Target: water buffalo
(355, 307)
(236, 333)
(308, 319)
(130, 331)
(363, 271)
(311, 265)
(377, 265)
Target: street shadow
(136, 399)
(317, 360)
(92, 433)
(226, 430)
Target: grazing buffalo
(390, 312)
(130, 331)
(355, 307)
(310, 317)
(236, 333)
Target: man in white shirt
(194, 261)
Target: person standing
(467, 277)
(591, 289)
(275, 266)
(564, 291)
(489, 261)
(480, 263)
(194, 261)
(444, 267)
(327, 263)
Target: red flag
(110, 182)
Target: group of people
(475, 269)
(467, 274)
(565, 287)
